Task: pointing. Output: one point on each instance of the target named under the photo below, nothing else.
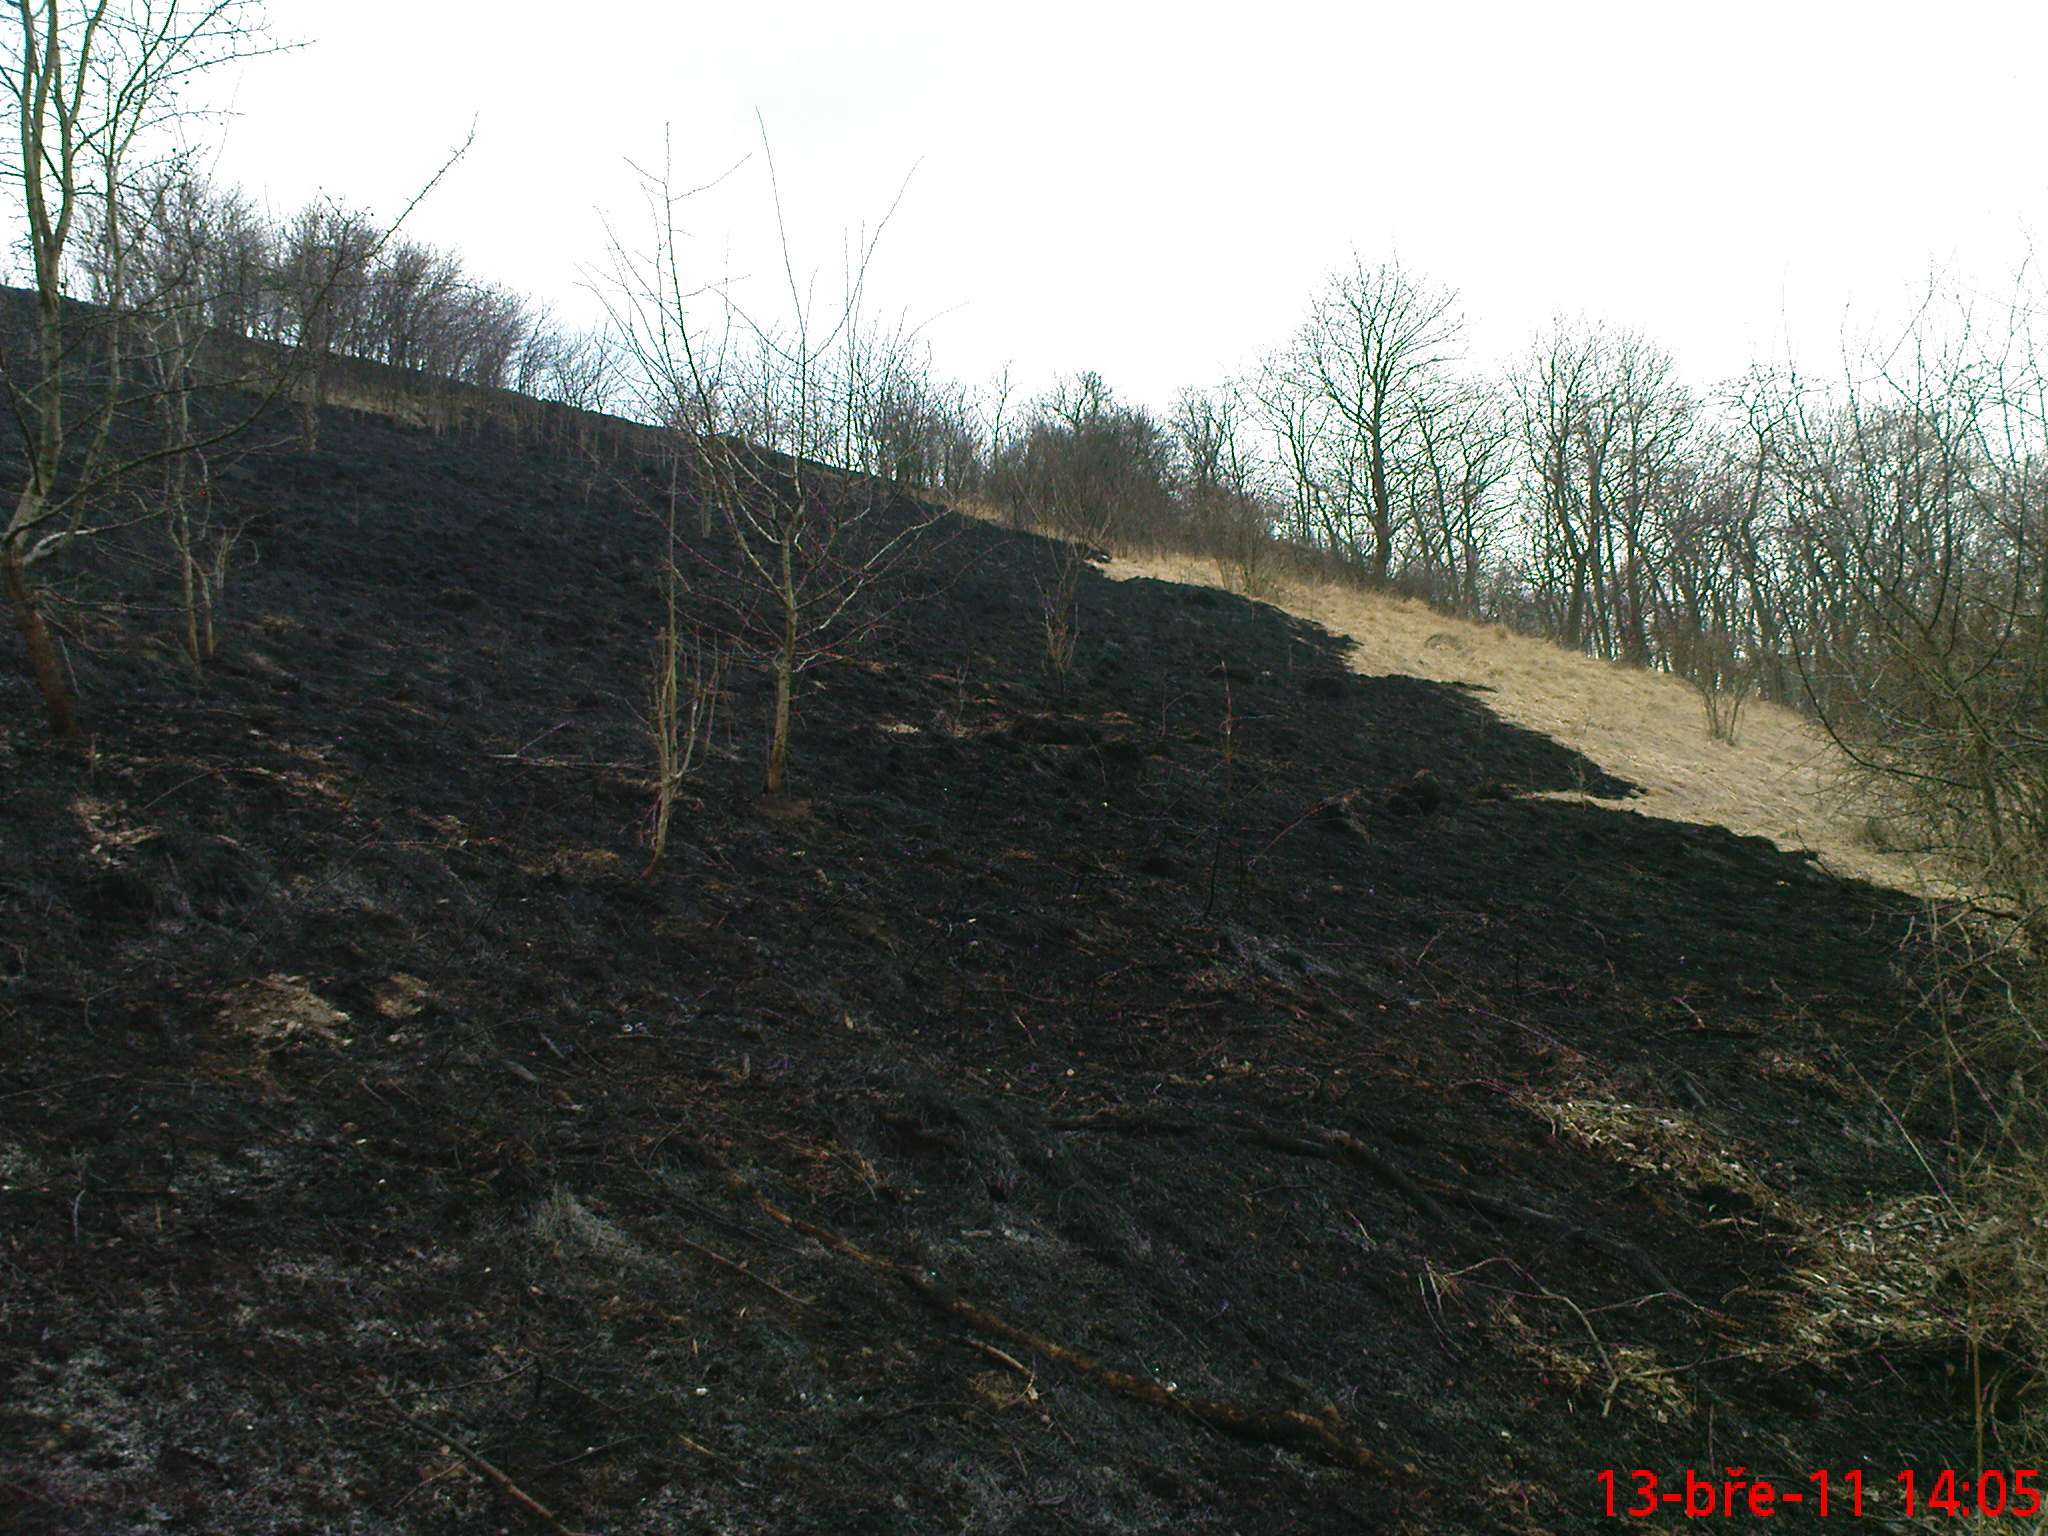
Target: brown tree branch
(1324, 1432)
(476, 1458)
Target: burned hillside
(1222, 1092)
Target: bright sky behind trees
(1155, 191)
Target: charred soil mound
(1211, 1097)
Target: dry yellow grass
(1782, 779)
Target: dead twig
(734, 1264)
(708, 1454)
(1005, 1357)
(1343, 1147)
(463, 1386)
(476, 1458)
(1330, 1146)
(1620, 1252)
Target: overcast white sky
(1153, 191)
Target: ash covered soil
(1148, 1106)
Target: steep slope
(1227, 1096)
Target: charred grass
(1232, 1029)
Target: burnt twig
(1343, 1147)
(476, 1458)
(734, 1264)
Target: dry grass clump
(276, 1010)
(1614, 1375)
(1666, 1142)
(1557, 1341)
(1914, 1272)
(565, 1227)
(582, 866)
(400, 996)
(1989, 1086)
(1884, 1276)
(107, 831)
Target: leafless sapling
(800, 555)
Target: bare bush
(1223, 502)
(1914, 506)
(1093, 474)
(1909, 530)
(689, 683)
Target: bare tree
(323, 286)
(1605, 425)
(177, 226)
(1352, 394)
(88, 81)
(1914, 507)
(816, 550)
(1456, 489)
(1906, 506)
(1297, 424)
(918, 432)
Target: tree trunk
(778, 726)
(189, 571)
(785, 668)
(1380, 508)
(313, 393)
(42, 651)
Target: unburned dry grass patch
(1781, 779)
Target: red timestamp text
(1993, 1491)
(1990, 1492)
(1639, 1494)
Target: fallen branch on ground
(475, 1458)
(1330, 1146)
(734, 1264)
(1325, 1432)
(1343, 1147)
